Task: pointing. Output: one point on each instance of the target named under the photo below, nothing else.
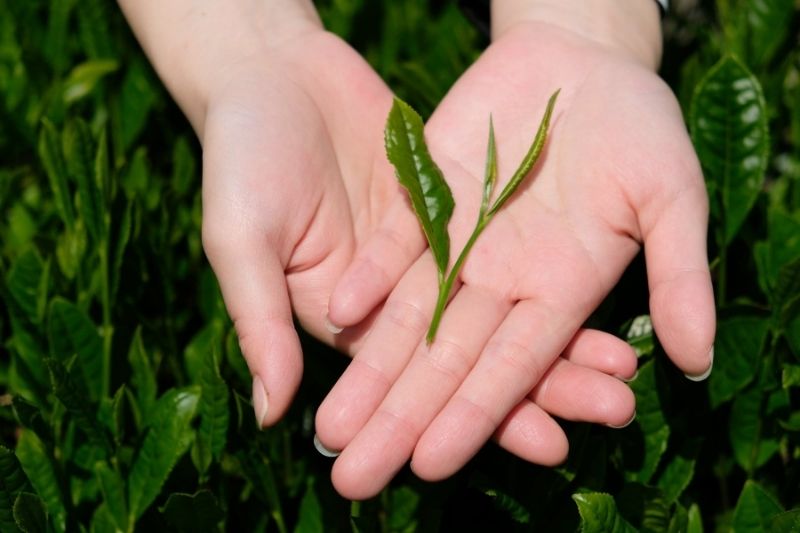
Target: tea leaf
(30, 514)
(679, 471)
(12, 482)
(143, 378)
(198, 512)
(213, 410)
(788, 522)
(71, 332)
(311, 519)
(168, 437)
(599, 514)
(83, 78)
(56, 169)
(417, 172)
(530, 158)
(490, 175)
(728, 122)
(737, 351)
(113, 488)
(755, 509)
(695, 522)
(751, 446)
(40, 470)
(80, 162)
(768, 27)
(27, 282)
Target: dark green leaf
(71, 332)
(775, 256)
(646, 438)
(640, 335)
(788, 522)
(417, 172)
(790, 376)
(27, 282)
(123, 238)
(38, 466)
(80, 164)
(30, 514)
(184, 172)
(136, 178)
(73, 396)
(695, 522)
(737, 351)
(169, 436)
(56, 49)
(83, 78)
(311, 520)
(53, 160)
(12, 482)
(206, 340)
(199, 512)
(110, 413)
(137, 96)
(509, 505)
(403, 510)
(755, 509)
(30, 417)
(143, 378)
(728, 122)
(102, 521)
(113, 489)
(213, 410)
(679, 471)
(70, 250)
(93, 19)
(751, 446)
(530, 158)
(599, 514)
(768, 23)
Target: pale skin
(295, 186)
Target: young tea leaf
(599, 514)
(113, 489)
(53, 160)
(415, 169)
(213, 410)
(490, 175)
(530, 158)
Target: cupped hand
(618, 171)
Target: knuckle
(517, 358)
(448, 359)
(406, 315)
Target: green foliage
(123, 394)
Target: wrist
(630, 27)
(190, 42)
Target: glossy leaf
(113, 488)
(599, 514)
(752, 447)
(755, 509)
(71, 332)
(646, 438)
(169, 436)
(30, 514)
(84, 77)
(56, 168)
(737, 351)
(39, 468)
(417, 172)
(640, 335)
(213, 410)
(728, 122)
(530, 158)
(199, 512)
(12, 482)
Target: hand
(618, 170)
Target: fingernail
(704, 375)
(260, 401)
(632, 378)
(331, 327)
(626, 424)
(322, 449)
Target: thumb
(253, 285)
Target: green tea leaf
(137, 97)
(73, 395)
(169, 436)
(781, 248)
(78, 151)
(679, 471)
(755, 509)
(213, 410)
(110, 413)
(38, 466)
(30, 514)
(199, 512)
(27, 282)
(207, 339)
(787, 522)
(695, 523)
(417, 172)
(530, 158)
(70, 250)
(113, 489)
(640, 335)
(490, 175)
(599, 514)
(143, 379)
(93, 28)
(84, 77)
(728, 122)
(71, 332)
(751, 446)
(768, 25)
(737, 350)
(12, 482)
(30, 416)
(645, 440)
(102, 521)
(311, 519)
(404, 506)
(123, 238)
(56, 168)
(55, 46)
(790, 377)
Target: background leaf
(71, 332)
(198, 512)
(754, 510)
(30, 514)
(599, 514)
(39, 468)
(737, 349)
(12, 482)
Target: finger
(603, 352)
(253, 286)
(513, 361)
(395, 335)
(681, 294)
(377, 266)
(532, 435)
(425, 386)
